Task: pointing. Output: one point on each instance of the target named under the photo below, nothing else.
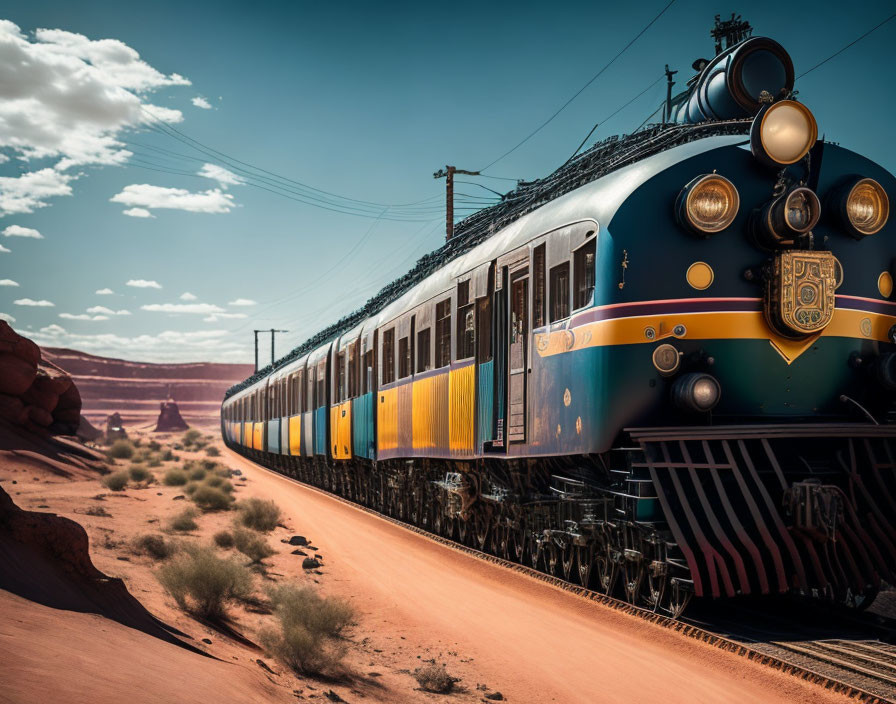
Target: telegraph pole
(272, 331)
(448, 174)
(667, 108)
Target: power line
(579, 92)
(854, 41)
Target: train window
(404, 358)
(353, 374)
(538, 287)
(466, 330)
(560, 292)
(367, 375)
(388, 372)
(423, 352)
(340, 377)
(583, 273)
(443, 333)
(312, 389)
(322, 383)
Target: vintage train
(668, 369)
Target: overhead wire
(852, 43)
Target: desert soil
(495, 629)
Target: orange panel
(387, 419)
(405, 418)
(430, 414)
(258, 436)
(462, 399)
(341, 431)
(295, 435)
(247, 435)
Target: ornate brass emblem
(799, 298)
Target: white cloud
(201, 102)
(19, 231)
(30, 302)
(26, 193)
(223, 176)
(199, 308)
(216, 316)
(8, 282)
(4, 250)
(138, 213)
(82, 316)
(3, 158)
(243, 302)
(104, 292)
(102, 310)
(187, 296)
(143, 283)
(7, 317)
(144, 195)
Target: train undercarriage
(674, 513)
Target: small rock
(299, 552)
(236, 472)
(297, 540)
(14, 481)
(206, 641)
(158, 493)
(318, 556)
(309, 563)
(333, 697)
(495, 697)
(264, 666)
(124, 559)
(374, 674)
(42, 506)
(179, 497)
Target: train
(666, 371)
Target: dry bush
(117, 481)
(98, 511)
(190, 488)
(154, 460)
(154, 446)
(252, 545)
(308, 639)
(175, 477)
(218, 482)
(155, 546)
(210, 498)
(209, 465)
(224, 539)
(184, 521)
(258, 514)
(197, 474)
(225, 472)
(169, 456)
(435, 678)
(191, 436)
(139, 473)
(212, 451)
(204, 583)
(121, 450)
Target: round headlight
(787, 216)
(696, 392)
(708, 204)
(863, 206)
(783, 133)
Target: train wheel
(652, 589)
(481, 531)
(678, 599)
(584, 564)
(632, 577)
(462, 529)
(606, 572)
(517, 544)
(567, 562)
(534, 552)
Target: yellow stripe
(461, 398)
(387, 419)
(295, 435)
(341, 430)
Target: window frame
(580, 267)
(442, 334)
(555, 316)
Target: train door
(518, 335)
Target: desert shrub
(218, 482)
(434, 678)
(175, 477)
(224, 539)
(139, 473)
(258, 514)
(190, 488)
(197, 474)
(116, 481)
(310, 626)
(169, 456)
(209, 465)
(225, 472)
(191, 436)
(252, 545)
(204, 583)
(98, 511)
(210, 498)
(154, 446)
(154, 460)
(121, 450)
(212, 451)
(184, 521)
(155, 546)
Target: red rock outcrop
(170, 419)
(35, 392)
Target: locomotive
(666, 370)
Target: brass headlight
(787, 216)
(862, 206)
(783, 133)
(708, 204)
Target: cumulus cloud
(31, 302)
(223, 176)
(167, 346)
(19, 231)
(187, 296)
(104, 292)
(7, 317)
(30, 191)
(143, 195)
(4, 250)
(199, 308)
(143, 283)
(201, 102)
(138, 213)
(82, 316)
(102, 310)
(8, 282)
(243, 302)
(217, 316)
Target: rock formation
(35, 393)
(170, 418)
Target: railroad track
(864, 670)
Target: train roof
(611, 169)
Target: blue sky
(358, 99)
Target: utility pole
(667, 109)
(448, 174)
(272, 331)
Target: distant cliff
(135, 389)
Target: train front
(761, 372)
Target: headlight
(708, 204)
(862, 206)
(783, 133)
(696, 392)
(787, 216)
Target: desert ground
(497, 632)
